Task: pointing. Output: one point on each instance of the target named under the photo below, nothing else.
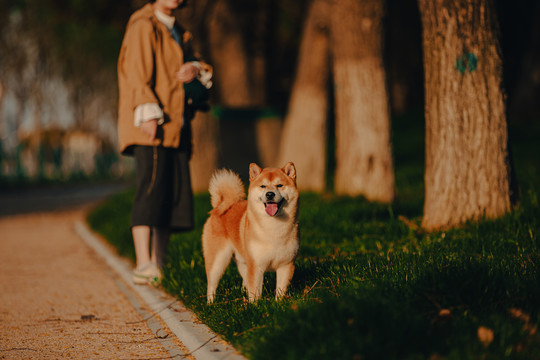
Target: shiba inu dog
(261, 232)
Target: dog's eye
(279, 185)
(263, 186)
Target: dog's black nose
(270, 195)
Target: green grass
(369, 284)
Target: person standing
(160, 83)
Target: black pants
(163, 197)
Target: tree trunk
(364, 163)
(467, 169)
(204, 161)
(303, 139)
(240, 82)
(239, 76)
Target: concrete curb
(201, 342)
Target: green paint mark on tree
(467, 62)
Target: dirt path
(59, 300)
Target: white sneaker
(147, 274)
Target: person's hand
(187, 72)
(150, 128)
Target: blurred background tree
(304, 137)
(76, 41)
(57, 61)
(342, 57)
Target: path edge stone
(202, 343)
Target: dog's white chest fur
(272, 244)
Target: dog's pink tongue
(271, 209)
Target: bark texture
(364, 163)
(467, 168)
(240, 75)
(205, 131)
(304, 134)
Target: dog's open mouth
(272, 208)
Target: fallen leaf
(445, 313)
(485, 335)
(161, 336)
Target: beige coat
(148, 61)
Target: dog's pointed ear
(254, 171)
(290, 170)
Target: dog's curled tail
(225, 189)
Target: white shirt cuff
(147, 112)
